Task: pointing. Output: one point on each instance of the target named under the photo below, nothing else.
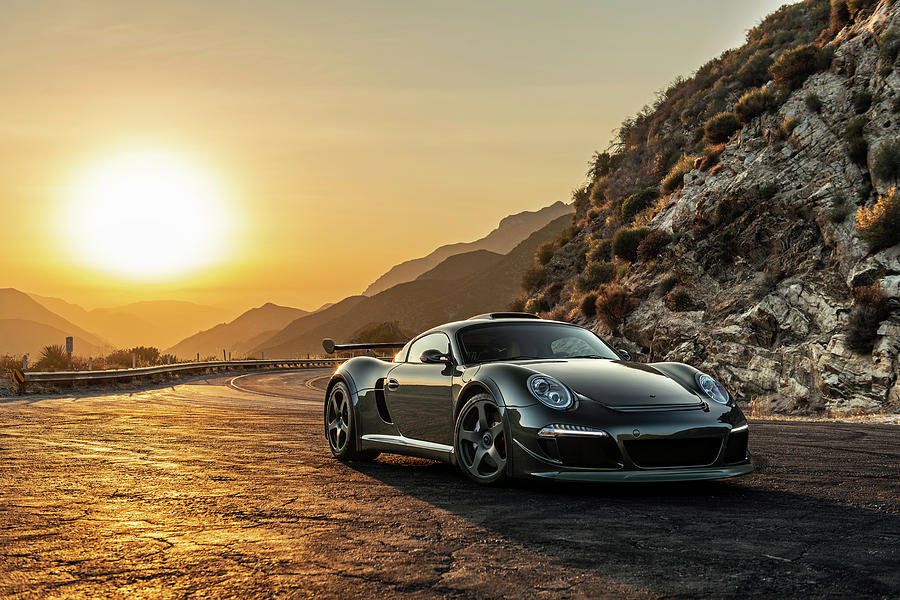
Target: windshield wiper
(588, 356)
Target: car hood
(616, 383)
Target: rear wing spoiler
(331, 347)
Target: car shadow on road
(714, 538)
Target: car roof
(453, 327)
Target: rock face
(759, 243)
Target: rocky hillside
(746, 223)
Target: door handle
(393, 385)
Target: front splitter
(648, 476)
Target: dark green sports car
(512, 395)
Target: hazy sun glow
(146, 215)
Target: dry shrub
(721, 127)
(653, 245)
(675, 178)
(614, 302)
(558, 314)
(595, 274)
(880, 225)
(589, 305)
(711, 156)
(870, 309)
(533, 278)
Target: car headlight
(550, 392)
(712, 388)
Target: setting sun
(146, 215)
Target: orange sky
(344, 136)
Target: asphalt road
(208, 490)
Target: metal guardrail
(72, 377)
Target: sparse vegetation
(679, 300)
(545, 252)
(711, 156)
(813, 103)
(792, 67)
(533, 278)
(626, 241)
(880, 225)
(595, 274)
(675, 178)
(600, 250)
(653, 245)
(840, 209)
(869, 310)
(589, 305)
(53, 357)
(886, 161)
(721, 127)
(857, 146)
(666, 284)
(614, 302)
(768, 190)
(862, 101)
(637, 202)
(755, 102)
(755, 71)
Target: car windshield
(512, 341)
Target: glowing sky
(349, 135)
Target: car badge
(636, 433)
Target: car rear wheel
(481, 441)
(340, 426)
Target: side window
(431, 341)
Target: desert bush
(880, 225)
(533, 278)
(666, 284)
(52, 357)
(566, 236)
(886, 161)
(813, 103)
(792, 67)
(862, 101)
(679, 300)
(869, 310)
(675, 178)
(626, 241)
(840, 209)
(768, 190)
(558, 314)
(545, 252)
(551, 293)
(589, 305)
(711, 156)
(652, 245)
(536, 305)
(857, 146)
(614, 302)
(755, 102)
(637, 202)
(889, 46)
(785, 128)
(721, 127)
(839, 17)
(755, 71)
(600, 250)
(595, 274)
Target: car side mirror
(625, 354)
(435, 356)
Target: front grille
(684, 452)
(736, 447)
(583, 451)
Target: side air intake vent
(379, 401)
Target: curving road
(224, 487)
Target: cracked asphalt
(207, 489)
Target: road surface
(224, 487)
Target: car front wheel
(480, 441)
(340, 426)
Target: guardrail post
(198, 357)
(133, 361)
(25, 362)
(262, 355)
(90, 363)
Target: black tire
(480, 440)
(340, 425)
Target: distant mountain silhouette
(159, 323)
(462, 265)
(28, 326)
(240, 335)
(511, 231)
(420, 304)
(21, 336)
